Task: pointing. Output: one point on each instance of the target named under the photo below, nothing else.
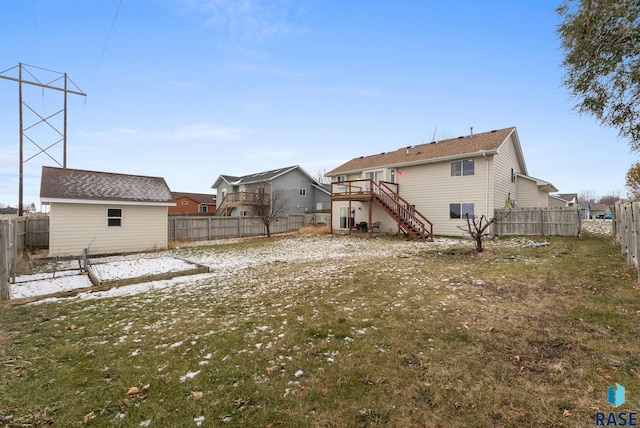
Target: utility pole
(43, 119)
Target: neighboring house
(9, 211)
(599, 210)
(104, 212)
(236, 196)
(563, 200)
(430, 188)
(191, 203)
(585, 210)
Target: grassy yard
(325, 331)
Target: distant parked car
(608, 216)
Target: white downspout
(486, 190)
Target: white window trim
(109, 217)
(461, 162)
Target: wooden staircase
(410, 221)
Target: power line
(35, 81)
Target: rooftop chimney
(472, 131)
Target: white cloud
(247, 21)
(196, 131)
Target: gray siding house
(235, 195)
(104, 212)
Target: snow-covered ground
(107, 269)
(212, 254)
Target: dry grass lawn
(322, 331)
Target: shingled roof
(75, 185)
(258, 177)
(201, 198)
(429, 152)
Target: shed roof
(460, 146)
(76, 186)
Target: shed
(104, 212)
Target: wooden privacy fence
(538, 221)
(626, 227)
(8, 256)
(33, 231)
(204, 228)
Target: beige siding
(431, 189)
(75, 227)
(505, 161)
(527, 193)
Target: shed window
(461, 210)
(303, 192)
(114, 217)
(465, 167)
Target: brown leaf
(516, 358)
(133, 391)
(566, 413)
(88, 417)
(196, 394)
(607, 378)
(146, 387)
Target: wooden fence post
(5, 259)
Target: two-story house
(431, 188)
(238, 196)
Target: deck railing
(386, 193)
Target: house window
(303, 192)
(341, 178)
(461, 211)
(114, 217)
(185, 203)
(203, 208)
(465, 167)
(513, 176)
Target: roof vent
(494, 130)
(471, 131)
(460, 137)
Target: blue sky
(190, 89)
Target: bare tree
(611, 198)
(587, 195)
(477, 228)
(268, 202)
(321, 179)
(633, 182)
